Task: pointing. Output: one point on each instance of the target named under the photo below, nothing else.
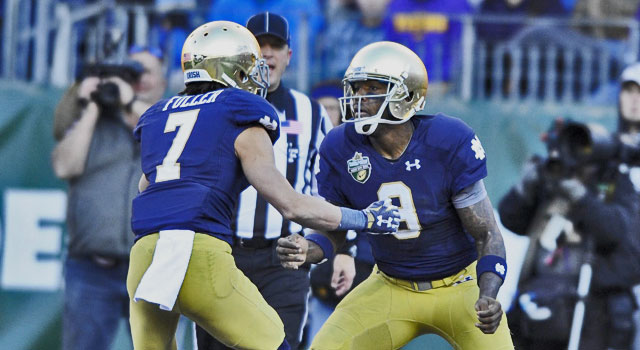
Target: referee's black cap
(267, 23)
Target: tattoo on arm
(479, 221)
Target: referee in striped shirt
(258, 225)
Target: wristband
(324, 243)
(352, 220)
(492, 263)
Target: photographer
(629, 133)
(578, 211)
(98, 156)
(629, 110)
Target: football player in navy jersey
(199, 150)
(441, 272)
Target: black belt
(253, 243)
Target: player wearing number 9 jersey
(427, 278)
(199, 150)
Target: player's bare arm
(479, 221)
(254, 149)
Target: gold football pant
(386, 313)
(215, 294)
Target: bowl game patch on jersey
(359, 167)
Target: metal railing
(548, 59)
(47, 46)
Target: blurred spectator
(509, 31)
(347, 31)
(304, 16)
(171, 32)
(327, 94)
(594, 209)
(613, 40)
(151, 85)
(629, 131)
(432, 29)
(606, 9)
(497, 31)
(98, 156)
(332, 7)
(542, 316)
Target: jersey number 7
(170, 168)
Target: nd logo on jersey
(359, 167)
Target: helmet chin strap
(360, 127)
(372, 122)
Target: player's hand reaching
(489, 313)
(292, 251)
(382, 217)
(344, 271)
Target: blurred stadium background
(506, 67)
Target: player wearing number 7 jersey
(199, 150)
(440, 273)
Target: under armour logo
(499, 269)
(389, 221)
(416, 164)
(462, 279)
(268, 123)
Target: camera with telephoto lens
(571, 145)
(586, 143)
(107, 94)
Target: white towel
(163, 279)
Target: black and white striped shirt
(304, 124)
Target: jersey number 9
(406, 208)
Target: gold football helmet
(227, 53)
(400, 69)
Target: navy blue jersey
(188, 156)
(443, 157)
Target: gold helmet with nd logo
(404, 75)
(226, 53)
